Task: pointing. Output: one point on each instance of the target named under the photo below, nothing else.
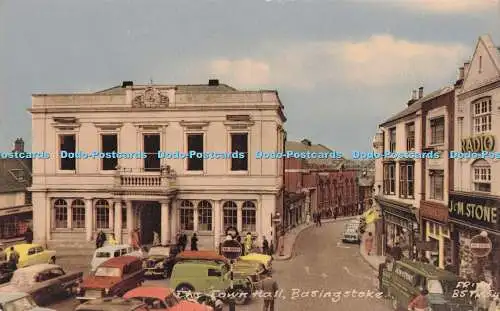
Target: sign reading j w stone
(475, 210)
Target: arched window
(249, 216)
(481, 175)
(60, 214)
(102, 214)
(78, 214)
(204, 216)
(186, 215)
(230, 212)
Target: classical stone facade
(73, 199)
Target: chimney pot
(19, 145)
(420, 92)
(461, 73)
(414, 95)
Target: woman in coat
(369, 243)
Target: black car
(159, 261)
(6, 272)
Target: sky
(340, 67)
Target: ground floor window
(186, 215)
(78, 214)
(102, 214)
(204, 216)
(230, 214)
(249, 216)
(14, 226)
(60, 214)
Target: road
(320, 264)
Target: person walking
(194, 242)
(397, 252)
(28, 236)
(265, 246)
(369, 244)
(111, 239)
(13, 258)
(135, 239)
(248, 242)
(319, 219)
(269, 288)
(184, 241)
(281, 244)
(421, 302)
(100, 239)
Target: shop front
(400, 225)
(14, 221)
(470, 215)
(434, 220)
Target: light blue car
(15, 301)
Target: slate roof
(8, 170)
(418, 104)
(181, 88)
(298, 146)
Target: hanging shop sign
(478, 143)
(480, 245)
(475, 210)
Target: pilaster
(118, 221)
(88, 219)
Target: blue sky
(341, 67)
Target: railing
(140, 179)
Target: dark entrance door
(150, 221)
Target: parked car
(114, 277)
(401, 281)
(43, 282)
(32, 254)
(113, 304)
(351, 234)
(111, 251)
(266, 260)
(19, 301)
(159, 261)
(209, 276)
(163, 298)
(6, 272)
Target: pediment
(150, 97)
(484, 66)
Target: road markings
(308, 271)
(357, 276)
(340, 245)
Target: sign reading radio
(478, 143)
(475, 210)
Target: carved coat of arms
(150, 98)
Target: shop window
(406, 180)
(436, 184)
(13, 226)
(481, 176)
(151, 143)
(239, 144)
(481, 113)
(230, 211)
(389, 178)
(186, 215)
(60, 214)
(249, 215)
(410, 136)
(437, 131)
(204, 216)
(78, 214)
(102, 214)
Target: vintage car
(209, 276)
(351, 234)
(402, 280)
(114, 277)
(6, 272)
(111, 251)
(19, 301)
(159, 261)
(43, 282)
(32, 254)
(163, 298)
(260, 258)
(113, 304)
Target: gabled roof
(416, 106)
(15, 175)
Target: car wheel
(52, 261)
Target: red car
(163, 298)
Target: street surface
(320, 263)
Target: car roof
(112, 248)
(9, 296)
(201, 255)
(197, 262)
(149, 291)
(24, 247)
(427, 270)
(118, 262)
(110, 303)
(37, 268)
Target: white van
(110, 251)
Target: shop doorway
(150, 214)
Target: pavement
(323, 274)
(373, 260)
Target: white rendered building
(73, 199)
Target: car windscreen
(107, 271)
(102, 255)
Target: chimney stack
(461, 73)
(414, 95)
(420, 92)
(19, 145)
(466, 67)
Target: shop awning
(13, 210)
(371, 215)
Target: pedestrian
(183, 240)
(248, 242)
(483, 295)
(397, 252)
(319, 219)
(13, 258)
(111, 240)
(28, 235)
(281, 244)
(156, 239)
(100, 239)
(135, 239)
(238, 238)
(369, 244)
(421, 302)
(194, 242)
(308, 218)
(335, 214)
(269, 288)
(265, 246)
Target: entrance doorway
(150, 214)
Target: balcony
(127, 179)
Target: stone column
(216, 223)
(441, 258)
(118, 221)
(165, 222)
(89, 219)
(239, 217)
(69, 223)
(195, 220)
(48, 219)
(130, 218)
(258, 222)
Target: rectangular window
(410, 137)
(406, 180)
(392, 139)
(109, 144)
(389, 178)
(151, 148)
(437, 131)
(239, 144)
(482, 177)
(124, 218)
(195, 145)
(437, 184)
(67, 145)
(482, 115)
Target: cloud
(446, 6)
(379, 61)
